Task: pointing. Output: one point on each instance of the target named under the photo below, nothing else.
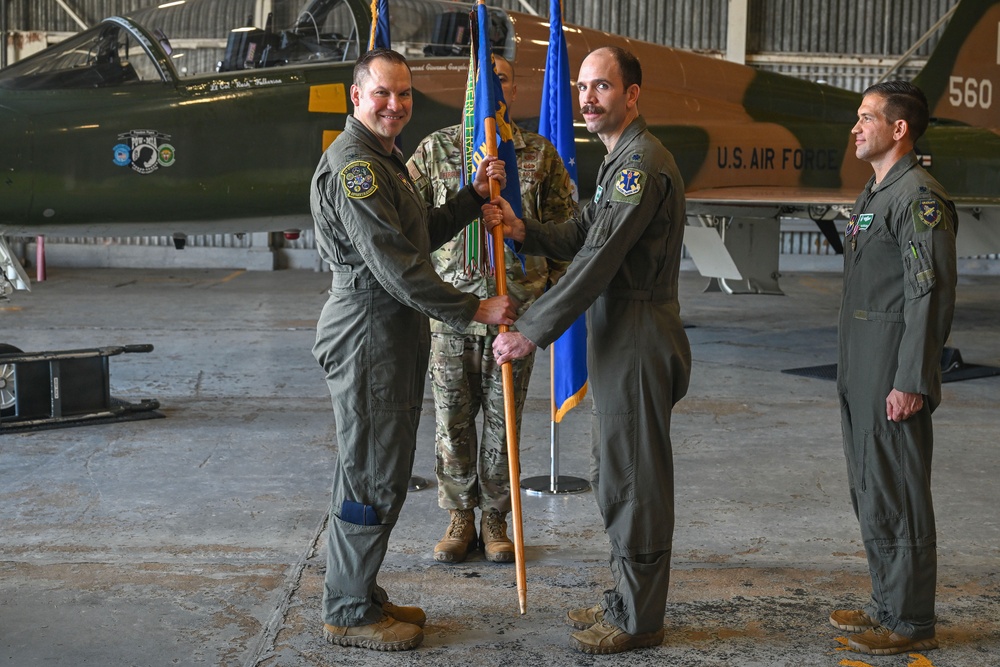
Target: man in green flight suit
(373, 338)
(898, 301)
(626, 250)
(464, 375)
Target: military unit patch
(865, 220)
(629, 182)
(852, 227)
(358, 179)
(927, 214)
(597, 195)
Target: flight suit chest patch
(358, 179)
(628, 186)
(404, 179)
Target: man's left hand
(510, 346)
(901, 405)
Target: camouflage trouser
(465, 378)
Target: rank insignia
(629, 182)
(928, 213)
(359, 180)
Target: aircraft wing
(768, 197)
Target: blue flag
(489, 102)
(379, 37)
(555, 123)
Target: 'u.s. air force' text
(766, 157)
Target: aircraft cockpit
(108, 55)
(179, 40)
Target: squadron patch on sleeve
(628, 186)
(358, 179)
(927, 214)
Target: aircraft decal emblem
(629, 183)
(122, 155)
(144, 150)
(359, 179)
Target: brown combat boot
(413, 615)
(493, 534)
(387, 634)
(851, 620)
(603, 638)
(458, 538)
(883, 641)
(581, 619)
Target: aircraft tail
(962, 75)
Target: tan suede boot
(583, 618)
(458, 538)
(602, 638)
(388, 634)
(493, 533)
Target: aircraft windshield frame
(110, 54)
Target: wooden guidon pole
(509, 404)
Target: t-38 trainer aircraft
(149, 124)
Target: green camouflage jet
(149, 124)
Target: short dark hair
(628, 64)
(364, 63)
(903, 101)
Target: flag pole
(509, 404)
(556, 125)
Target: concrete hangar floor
(199, 538)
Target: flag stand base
(417, 483)
(542, 485)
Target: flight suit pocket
(919, 278)
(881, 492)
(617, 464)
(342, 282)
(599, 232)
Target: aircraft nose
(15, 166)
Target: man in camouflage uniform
(898, 301)
(372, 339)
(464, 374)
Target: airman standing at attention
(464, 375)
(626, 251)
(898, 301)
(373, 338)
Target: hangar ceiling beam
(913, 49)
(66, 8)
(528, 8)
(736, 32)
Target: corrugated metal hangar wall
(846, 43)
